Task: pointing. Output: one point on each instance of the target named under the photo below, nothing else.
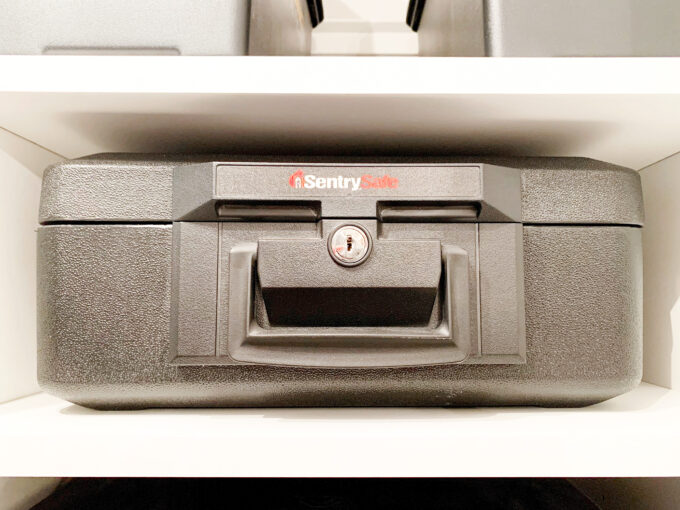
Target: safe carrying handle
(336, 347)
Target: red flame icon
(295, 180)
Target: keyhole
(349, 245)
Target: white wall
(21, 162)
(24, 493)
(364, 27)
(661, 246)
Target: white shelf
(619, 110)
(633, 435)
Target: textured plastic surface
(348, 342)
(546, 28)
(108, 312)
(316, 291)
(125, 188)
(165, 27)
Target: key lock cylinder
(349, 245)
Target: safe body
(158, 27)
(210, 281)
(546, 28)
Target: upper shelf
(632, 435)
(620, 110)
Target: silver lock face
(349, 245)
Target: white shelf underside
(633, 435)
(620, 110)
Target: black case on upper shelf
(546, 28)
(158, 27)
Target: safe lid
(129, 188)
